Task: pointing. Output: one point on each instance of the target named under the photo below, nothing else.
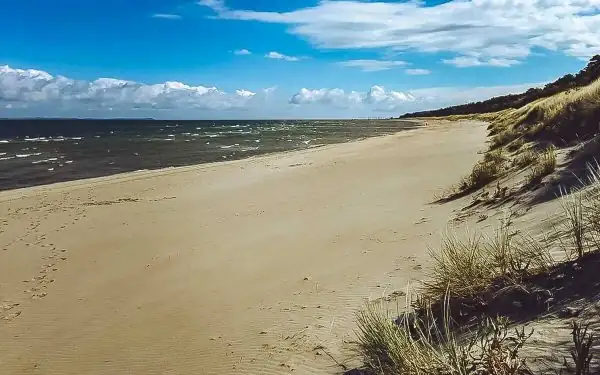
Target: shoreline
(149, 173)
(19, 176)
(241, 267)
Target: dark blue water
(35, 152)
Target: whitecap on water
(230, 146)
(20, 156)
(44, 161)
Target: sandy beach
(241, 267)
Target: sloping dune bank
(241, 267)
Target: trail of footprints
(39, 283)
(37, 287)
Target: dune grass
(562, 118)
(466, 267)
(569, 115)
(525, 158)
(543, 165)
(483, 172)
(421, 346)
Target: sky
(232, 59)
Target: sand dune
(241, 267)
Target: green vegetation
(586, 76)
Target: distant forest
(587, 75)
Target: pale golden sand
(241, 267)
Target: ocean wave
(230, 146)
(7, 158)
(27, 155)
(4, 141)
(43, 161)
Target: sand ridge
(242, 267)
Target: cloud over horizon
(39, 92)
(23, 88)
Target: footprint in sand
(422, 221)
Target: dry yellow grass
(544, 165)
(415, 345)
(559, 110)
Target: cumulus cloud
(480, 32)
(33, 87)
(167, 16)
(280, 56)
(417, 72)
(38, 93)
(377, 98)
(242, 52)
(372, 65)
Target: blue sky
(267, 58)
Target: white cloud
(377, 98)
(372, 65)
(245, 93)
(167, 16)
(216, 5)
(417, 72)
(469, 61)
(281, 56)
(38, 93)
(34, 87)
(486, 32)
(242, 52)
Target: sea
(43, 151)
